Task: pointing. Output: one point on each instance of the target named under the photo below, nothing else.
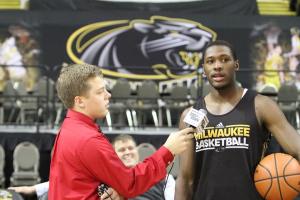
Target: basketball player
(221, 160)
(83, 158)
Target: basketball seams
(276, 169)
(268, 170)
(269, 188)
(284, 176)
(270, 174)
(271, 177)
(292, 174)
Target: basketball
(277, 177)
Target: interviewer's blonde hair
(72, 81)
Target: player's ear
(237, 64)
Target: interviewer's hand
(177, 142)
(111, 195)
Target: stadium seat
(26, 160)
(145, 150)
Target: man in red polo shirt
(83, 158)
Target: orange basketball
(277, 177)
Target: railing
(42, 108)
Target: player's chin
(219, 85)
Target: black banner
(165, 47)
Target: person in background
(221, 160)
(126, 149)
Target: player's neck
(227, 94)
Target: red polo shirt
(83, 158)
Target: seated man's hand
(111, 194)
(29, 190)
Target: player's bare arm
(273, 118)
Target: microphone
(196, 119)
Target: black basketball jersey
(227, 153)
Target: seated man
(126, 149)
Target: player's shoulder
(262, 99)
(185, 111)
(265, 105)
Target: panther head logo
(161, 48)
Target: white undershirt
(41, 188)
(244, 92)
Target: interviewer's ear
(78, 101)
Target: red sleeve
(99, 157)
